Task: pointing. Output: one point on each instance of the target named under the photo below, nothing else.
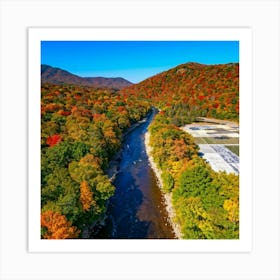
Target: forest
(82, 129)
(206, 202)
(190, 90)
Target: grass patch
(234, 149)
(214, 140)
(200, 140)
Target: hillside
(59, 76)
(82, 129)
(193, 89)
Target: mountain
(196, 89)
(59, 76)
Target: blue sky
(133, 60)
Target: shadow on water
(124, 207)
(137, 209)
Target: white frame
(243, 35)
(262, 16)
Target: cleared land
(220, 158)
(219, 144)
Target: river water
(137, 210)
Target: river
(137, 209)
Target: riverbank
(167, 196)
(137, 210)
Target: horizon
(134, 61)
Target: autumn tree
(53, 140)
(86, 196)
(56, 226)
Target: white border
(243, 35)
(16, 263)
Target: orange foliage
(74, 109)
(98, 117)
(52, 107)
(180, 148)
(86, 196)
(58, 227)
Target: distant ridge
(59, 76)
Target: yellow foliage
(177, 166)
(232, 207)
(91, 160)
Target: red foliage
(121, 108)
(43, 109)
(53, 140)
(98, 117)
(86, 113)
(201, 86)
(64, 113)
(237, 108)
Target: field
(218, 143)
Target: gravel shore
(167, 196)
